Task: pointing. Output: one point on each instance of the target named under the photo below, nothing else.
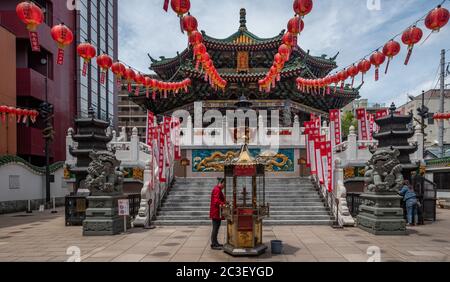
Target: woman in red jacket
(217, 200)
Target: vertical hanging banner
(371, 126)
(307, 133)
(363, 131)
(335, 127)
(150, 128)
(177, 146)
(313, 132)
(168, 138)
(324, 162)
(330, 162)
(318, 141)
(162, 146)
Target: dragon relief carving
(384, 172)
(103, 177)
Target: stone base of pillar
(102, 217)
(382, 214)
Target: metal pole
(47, 155)
(441, 106)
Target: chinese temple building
(242, 59)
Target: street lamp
(46, 112)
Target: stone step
(307, 202)
(319, 207)
(267, 222)
(283, 217)
(272, 213)
(207, 198)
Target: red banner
(382, 113)
(335, 127)
(177, 145)
(371, 126)
(162, 153)
(330, 166)
(318, 140)
(242, 170)
(307, 133)
(150, 128)
(363, 131)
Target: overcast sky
(345, 26)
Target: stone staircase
(293, 201)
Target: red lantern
(411, 37)
(377, 59)
(189, 23)
(285, 51)
(147, 83)
(19, 113)
(87, 52)
(33, 115)
(180, 7)
(31, 15)
(119, 71)
(105, 63)
(303, 7)
(63, 36)
(11, 111)
(289, 39)
(295, 25)
(195, 38)
(363, 67)
(129, 76)
(437, 19)
(343, 75)
(140, 80)
(390, 50)
(199, 51)
(352, 72)
(3, 111)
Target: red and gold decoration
(377, 59)
(295, 27)
(437, 19)
(18, 114)
(87, 52)
(118, 69)
(129, 77)
(139, 79)
(189, 24)
(390, 50)
(441, 116)
(105, 62)
(63, 36)
(411, 37)
(31, 15)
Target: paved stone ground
(43, 237)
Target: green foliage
(348, 119)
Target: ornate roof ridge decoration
(6, 160)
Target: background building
(364, 103)
(432, 101)
(97, 22)
(131, 114)
(23, 76)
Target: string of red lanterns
(441, 116)
(289, 41)
(434, 21)
(18, 114)
(189, 24)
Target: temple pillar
(352, 150)
(287, 114)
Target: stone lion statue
(103, 177)
(384, 172)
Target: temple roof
(259, 52)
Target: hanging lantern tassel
(34, 39)
(166, 5)
(26, 114)
(137, 90)
(408, 57)
(377, 73)
(19, 113)
(103, 77)
(129, 87)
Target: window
(47, 8)
(442, 180)
(14, 182)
